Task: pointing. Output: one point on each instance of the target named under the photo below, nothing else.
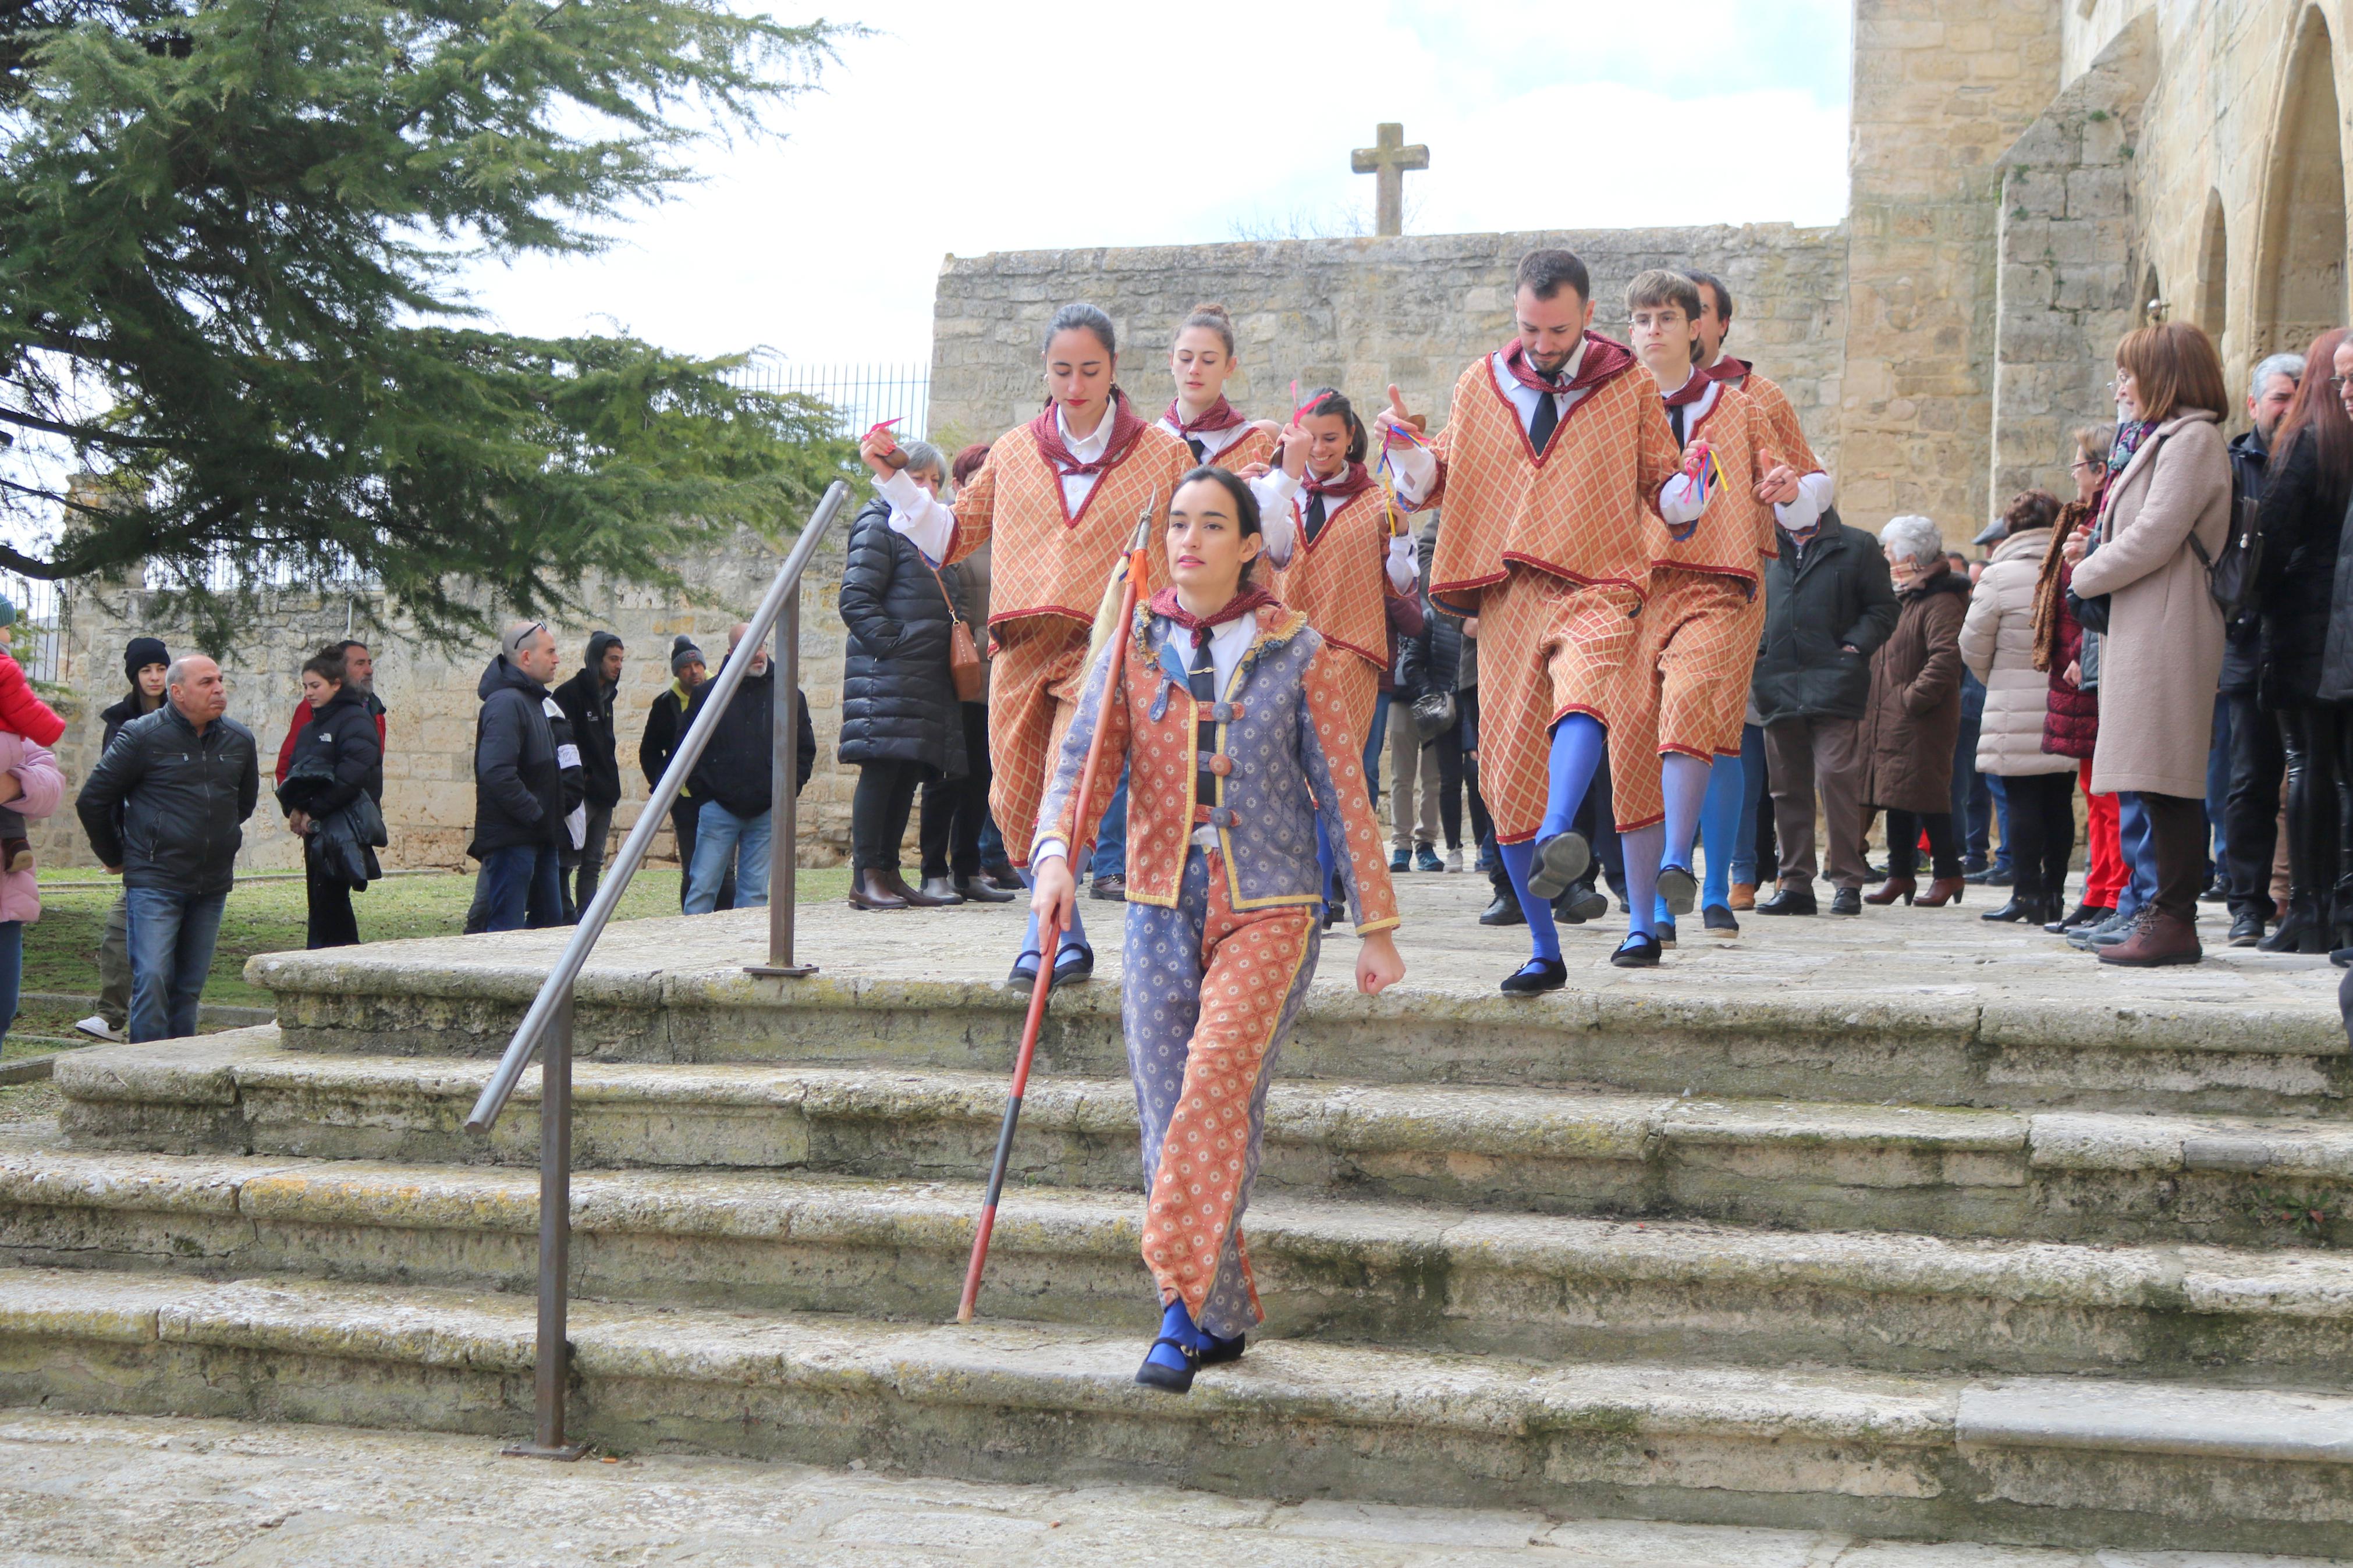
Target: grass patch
(61, 951)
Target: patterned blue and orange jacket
(1286, 750)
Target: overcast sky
(966, 126)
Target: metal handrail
(548, 1023)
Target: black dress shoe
(1536, 974)
(1581, 903)
(2081, 916)
(1637, 952)
(870, 890)
(1847, 902)
(1112, 890)
(1996, 877)
(2021, 907)
(2247, 929)
(1005, 876)
(979, 890)
(1788, 901)
(918, 898)
(2215, 892)
(1505, 912)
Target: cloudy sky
(966, 126)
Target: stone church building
(2030, 179)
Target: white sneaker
(97, 1025)
(1454, 859)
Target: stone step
(2051, 1461)
(2053, 1176)
(1540, 1287)
(1923, 1045)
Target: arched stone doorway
(2214, 271)
(2300, 278)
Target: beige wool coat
(1998, 644)
(2162, 659)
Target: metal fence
(865, 394)
(39, 633)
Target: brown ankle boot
(1897, 888)
(1942, 890)
(915, 898)
(868, 889)
(1744, 895)
(2159, 939)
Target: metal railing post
(554, 1349)
(784, 801)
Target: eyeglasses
(2336, 383)
(2081, 462)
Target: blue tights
(1719, 831)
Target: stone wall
(1362, 313)
(430, 692)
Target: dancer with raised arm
(1701, 626)
(1551, 460)
(1061, 495)
(1234, 712)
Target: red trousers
(2105, 872)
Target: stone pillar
(1942, 88)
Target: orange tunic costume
(1552, 553)
(1048, 574)
(1339, 580)
(1707, 610)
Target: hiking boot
(2156, 938)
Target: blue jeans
(1377, 738)
(721, 838)
(171, 937)
(2218, 783)
(1111, 838)
(522, 885)
(12, 972)
(2139, 848)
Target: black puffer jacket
(898, 700)
(2243, 638)
(116, 716)
(737, 767)
(587, 702)
(1834, 596)
(339, 744)
(169, 806)
(2303, 518)
(518, 777)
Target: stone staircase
(2044, 1272)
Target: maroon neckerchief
(1219, 415)
(1124, 429)
(1728, 369)
(1164, 604)
(1604, 359)
(1353, 482)
(1690, 391)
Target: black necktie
(1314, 516)
(1675, 417)
(1202, 679)
(1200, 448)
(1547, 417)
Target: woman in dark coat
(336, 758)
(2306, 487)
(1913, 718)
(900, 721)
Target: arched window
(2300, 275)
(2215, 270)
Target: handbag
(964, 668)
(1433, 714)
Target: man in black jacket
(733, 782)
(1830, 604)
(2250, 801)
(665, 728)
(587, 702)
(519, 786)
(165, 809)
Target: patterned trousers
(1548, 648)
(1209, 995)
(1700, 631)
(1033, 695)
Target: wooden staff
(1050, 935)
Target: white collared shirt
(1282, 519)
(931, 522)
(1814, 490)
(1213, 442)
(1227, 642)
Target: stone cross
(1389, 158)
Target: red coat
(21, 712)
(2072, 726)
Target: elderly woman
(1998, 644)
(1914, 718)
(900, 721)
(2166, 514)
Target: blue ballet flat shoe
(1536, 974)
(1069, 970)
(1637, 952)
(1560, 860)
(1678, 888)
